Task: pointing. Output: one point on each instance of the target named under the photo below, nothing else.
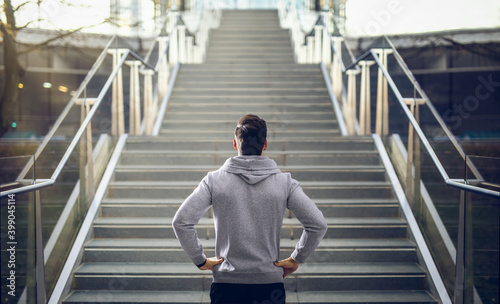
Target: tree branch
(28, 23)
(41, 44)
(23, 4)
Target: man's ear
(235, 145)
(265, 145)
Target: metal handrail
(423, 138)
(180, 51)
(409, 74)
(322, 46)
(98, 63)
(451, 182)
(355, 66)
(83, 126)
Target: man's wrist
(202, 264)
(293, 260)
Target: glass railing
(17, 233)
(124, 92)
(377, 93)
(479, 239)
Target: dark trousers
(226, 293)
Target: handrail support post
(117, 112)
(351, 101)
(413, 192)
(336, 69)
(163, 72)
(365, 98)
(134, 98)
(382, 123)
(148, 101)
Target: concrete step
(137, 296)
(315, 190)
(304, 92)
(238, 72)
(281, 117)
(145, 207)
(185, 276)
(194, 173)
(229, 134)
(251, 85)
(286, 59)
(376, 276)
(240, 30)
(252, 48)
(250, 67)
(242, 109)
(282, 158)
(243, 78)
(148, 227)
(301, 173)
(251, 34)
(333, 144)
(228, 125)
(246, 57)
(251, 44)
(366, 297)
(308, 297)
(170, 251)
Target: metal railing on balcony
(402, 108)
(72, 158)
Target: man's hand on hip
(289, 265)
(210, 263)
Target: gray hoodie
(249, 196)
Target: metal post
(117, 113)
(90, 159)
(182, 43)
(310, 49)
(134, 98)
(337, 69)
(121, 112)
(409, 162)
(148, 101)
(413, 162)
(82, 202)
(460, 260)
(317, 43)
(469, 259)
(86, 159)
(41, 296)
(382, 124)
(163, 69)
(364, 98)
(114, 94)
(417, 195)
(31, 258)
(326, 47)
(173, 58)
(189, 49)
(351, 102)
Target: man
(249, 196)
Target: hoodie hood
(251, 168)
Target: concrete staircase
(366, 255)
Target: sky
(364, 17)
(377, 17)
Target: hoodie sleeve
(188, 215)
(310, 217)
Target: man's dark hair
(251, 133)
